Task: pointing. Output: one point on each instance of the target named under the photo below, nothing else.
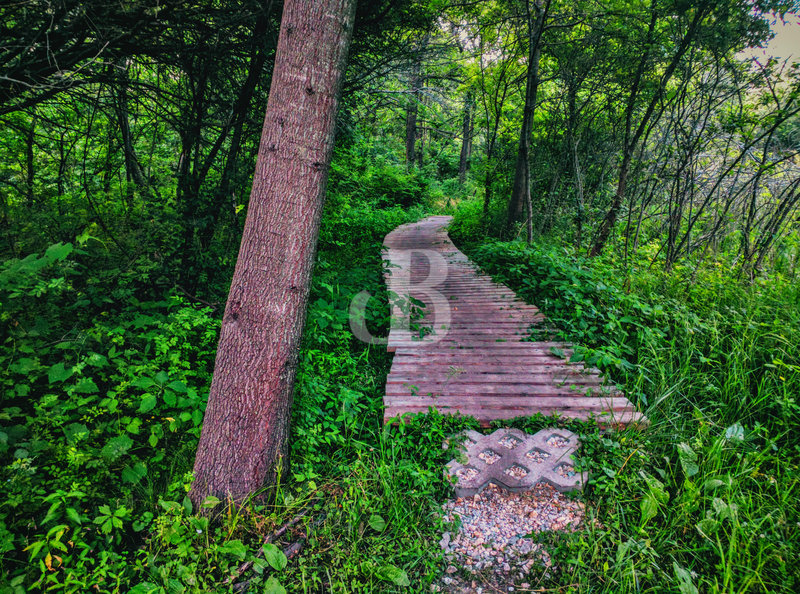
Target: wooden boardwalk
(469, 351)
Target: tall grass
(704, 498)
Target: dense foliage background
(129, 134)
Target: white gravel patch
(492, 549)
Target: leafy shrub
(697, 501)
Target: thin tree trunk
(521, 190)
(244, 440)
(466, 139)
(62, 169)
(29, 162)
(412, 110)
(631, 142)
(572, 147)
(133, 170)
(238, 117)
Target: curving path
(469, 350)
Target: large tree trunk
(521, 190)
(244, 439)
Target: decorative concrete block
(516, 461)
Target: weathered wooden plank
(518, 347)
(498, 390)
(488, 403)
(471, 377)
(491, 364)
(604, 419)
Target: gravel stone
(493, 540)
(510, 442)
(557, 441)
(516, 471)
(466, 474)
(537, 456)
(566, 471)
(489, 456)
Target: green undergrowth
(104, 385)
(105, 377)
(701, 500)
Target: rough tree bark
(246, 426)
(521, 191)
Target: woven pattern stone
(516, 461)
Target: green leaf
(142, 521)
(656, 488)
(177, 386)
(141, 382)
(724, 511)
(684, 579)
(133, 474)
(170, 506)
(377, 523)
(74, 432)
(58, 373)
(735, 432)
(707, 527)
(25, 365)
(273, 586)
(170, 398)
(58, 251)
(73, 515)
(51, 513)
(35, 547)
(86, 386)
(688, 459)
(393, 574)
(97, 360)
(107, 526)
(148, 403)
(116, 447)
(235, 548)
(134, 425)
(649, 507)
(713, 483)
(144, 588)
(210, 502)
(187, 505)
(274, 556)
